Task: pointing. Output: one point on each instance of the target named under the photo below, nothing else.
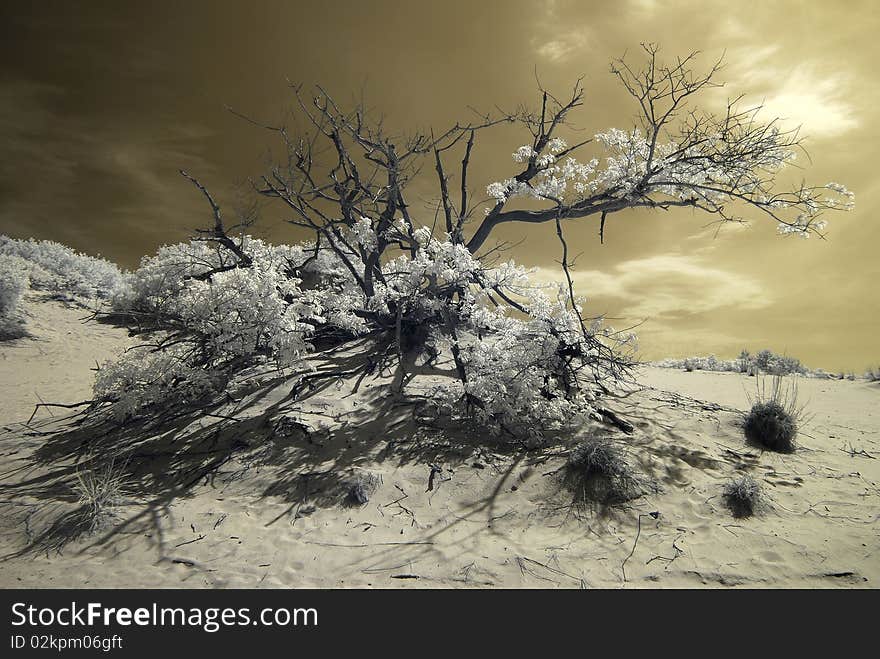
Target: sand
(246, 498)
(55, 364)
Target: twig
(373, 544)
(654, 515)
(189, 542)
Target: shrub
(782, 365)
(13, 283)
(598, 471)
(145, 378)
(513, 375)
(772, 426)
(62, 271)
(742, 496)
(765, 361)
(772, 421)
(763, 358)
(216, 324)
(516, 380)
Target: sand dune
(247, 498)
(55, 364)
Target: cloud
(666, 287)
(560, 48)
(817, 103)
(70, 175)
(802, 95)
(648, 7)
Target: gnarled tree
(437, 302)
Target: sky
(101, 103)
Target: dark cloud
(102, 102)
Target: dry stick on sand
(42, 403)
(372, 544)
(654, 515)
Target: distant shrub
(765, 361)
(742, 496)
(62, 271)
(872, 374)
(772, 421)
(781, 365)
(763, 358)
(13, 283)
(709, 363)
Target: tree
(439, 303)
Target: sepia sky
(102, 102)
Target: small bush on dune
(143, 378)
(61, 270)
(782, 365)
(742, 496)
(744, 361)
(13, 283)
(772, 421)
(215, 325)
(772, 426)
(597, 471)
(765, 361)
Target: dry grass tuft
(598, 471)
(772, 421)
(100, 492)
(742, 496)
(362, 487)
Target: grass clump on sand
(772, 421)
(597, 471)
(362, 487)
(100, 492)
(742, 496)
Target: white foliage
(709, 171)
(146, 377)
(246, 311)
(61, 270)
(14, 282)
(240, 313)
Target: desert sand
(254, 495)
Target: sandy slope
(231, 500)
(54, 363)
